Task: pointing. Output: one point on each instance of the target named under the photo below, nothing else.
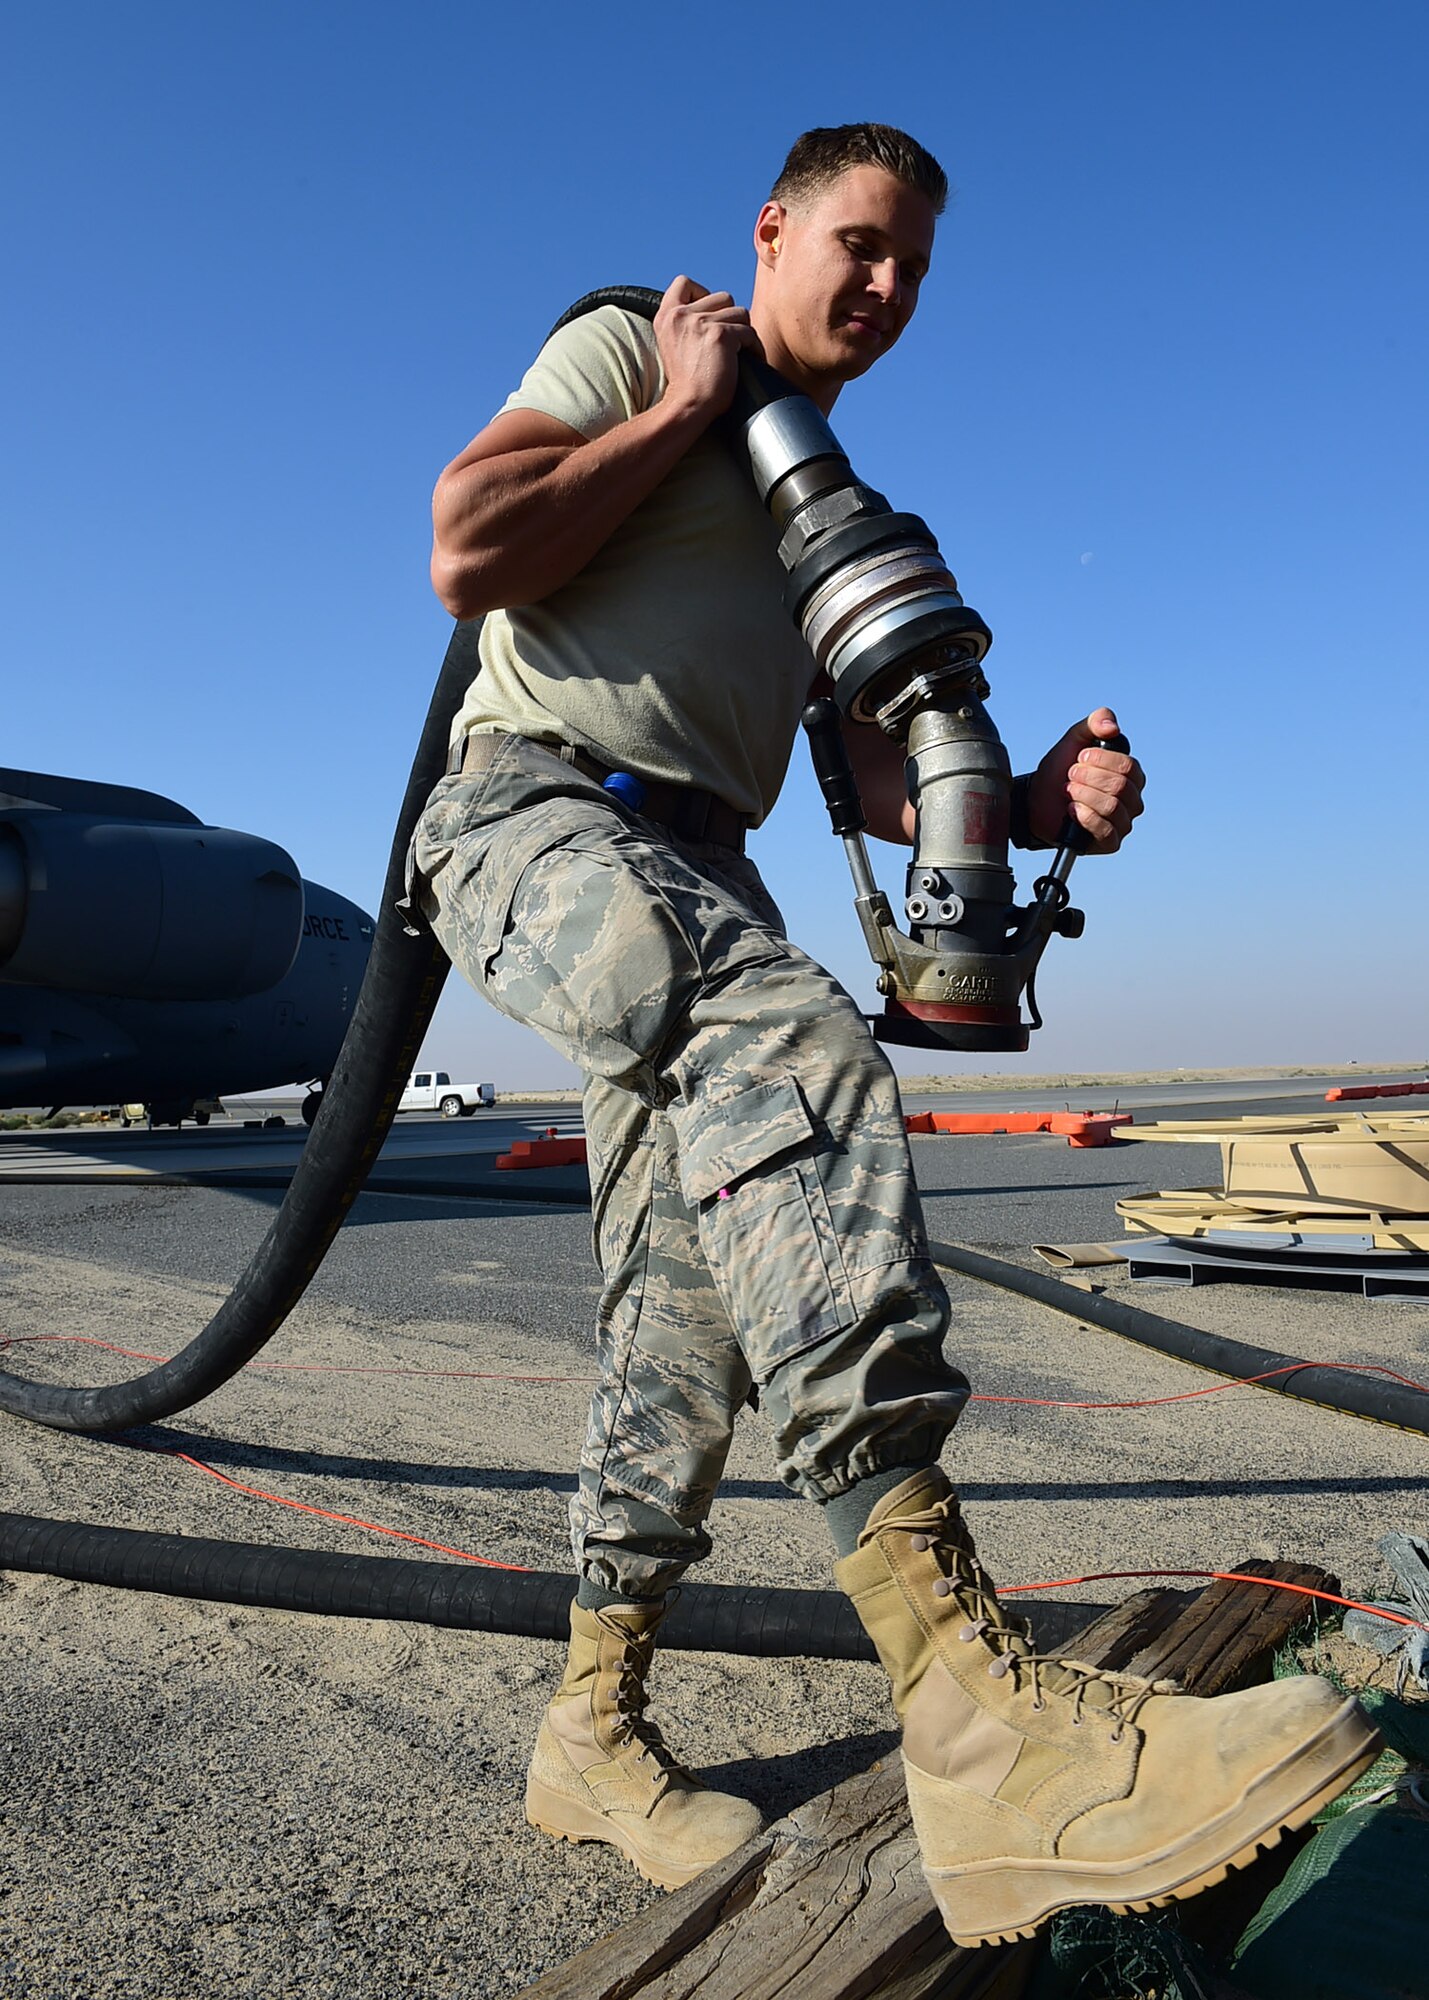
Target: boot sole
(570, 1819)
(996, 1902)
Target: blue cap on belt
(627, 788)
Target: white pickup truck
(433, 1090)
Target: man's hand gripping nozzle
(881, 613)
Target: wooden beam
(1231, 1639)
(829, 1903)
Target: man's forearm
(512, 527)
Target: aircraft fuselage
(103, 883)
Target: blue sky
(268, 268)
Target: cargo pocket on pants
(514, 846)
(749, 1164)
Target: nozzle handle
(823, 726)
(1074, 834)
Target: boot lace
(631, 1724)
(942, 1530)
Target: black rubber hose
(1309, 1381)
(533, 1604)
(758, 383)
(638, 299)
(771, 1622)
(404, 978)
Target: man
(755, 1215)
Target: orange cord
(322, 1513)
(1221, 1576)
(1005, 1589)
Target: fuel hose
(532, 1604)
(1334, 1388)
(768, 1622)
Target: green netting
(1350, 1921)
(1092, 1955)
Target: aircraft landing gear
(312, 1104)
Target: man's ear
(768, 232)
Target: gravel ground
(201, 1797)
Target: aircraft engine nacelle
(144, 910)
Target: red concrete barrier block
(542, 1153)
(1079, 1128)
(1348, 1091)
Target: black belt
(690, 812)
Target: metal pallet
(1246, 1259)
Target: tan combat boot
(1035, 1783)
(601, 1771)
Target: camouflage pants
(755, 1215)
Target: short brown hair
(817, 158)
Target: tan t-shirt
(671, 653)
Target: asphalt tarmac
(458, 1156)
(198, 1797)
